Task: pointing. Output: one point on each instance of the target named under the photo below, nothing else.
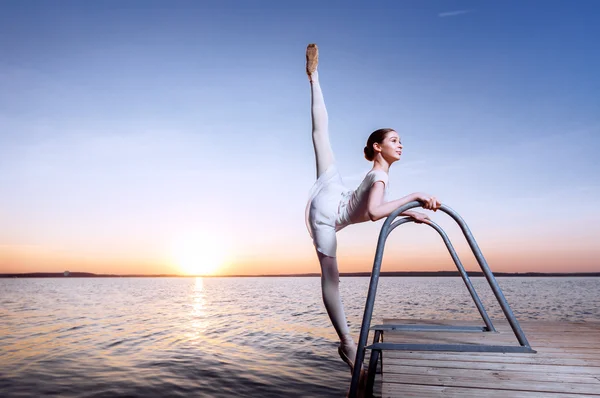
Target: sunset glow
(198, 254)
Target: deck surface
(567, 363)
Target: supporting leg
(330, 282)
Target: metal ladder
(378, 347)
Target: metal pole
(489, 276)
(461, 269)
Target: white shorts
(322, 210)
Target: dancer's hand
(419, 217)
(428, 202)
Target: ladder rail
(457, 262)
(368, 312)
(510, 316)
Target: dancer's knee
(329, 269)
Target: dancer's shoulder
(377, 175)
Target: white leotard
(332, 206)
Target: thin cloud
(453, 13)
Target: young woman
(332, 206)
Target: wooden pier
(567, 362)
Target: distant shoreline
(346, 274)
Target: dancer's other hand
(419, 217)
(428, 202)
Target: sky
(173, 137)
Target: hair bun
(369, 153)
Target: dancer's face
(391, 147)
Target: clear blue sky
(129, 127)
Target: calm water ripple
(223, 337)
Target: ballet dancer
(332, 206)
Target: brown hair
(376, 136)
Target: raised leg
(320, 120)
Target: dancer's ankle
(347, 340)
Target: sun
(198, 254)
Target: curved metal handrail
(457, 262)
(385, 230)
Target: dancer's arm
(379, 209)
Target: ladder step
(428, 328)
(450, 347)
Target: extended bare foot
(347, 351)
(312, 60)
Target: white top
(353, 207)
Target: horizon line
(76, 274)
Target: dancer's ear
(377, 147)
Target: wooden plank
(547, 347)
(587, 370)
(539, 354)
(534, 338)
(411, 390)
(523, 359)
(495, 321)
(550, 328)
(574, 341)
(392, 370)
(498, 383)
(586, 343)
(572, 350)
